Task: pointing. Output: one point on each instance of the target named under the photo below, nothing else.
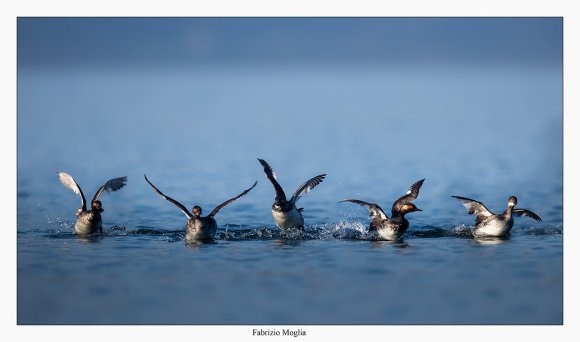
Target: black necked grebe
(490, 224)
(199, 227)
(384, 228)
(89, 221)
(285, 213)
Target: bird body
(199, 227)
(289, 219)
(285, 213)
(391, 228)
(488, 224)
(89, 221)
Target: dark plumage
(285, 213)
(89, 221)
(394, 227)
(490, 224)
(199, 227)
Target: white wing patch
(474, 207)
(306, 187)
(377, 213)
(374, 209)
(69, 182)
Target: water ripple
(342, 230)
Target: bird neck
(508, 213)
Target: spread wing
(111, 185)
(524, 212)
(374, 209)
(272, 177)
(70, 183)
(179, 205)
(306, 187)
(411, 194)
(475, 207)
(219, 207)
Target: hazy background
(384, 101)
(157, 42)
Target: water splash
(555, 230)
(342, 230)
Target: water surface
(485, 133)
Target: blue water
(484, 132)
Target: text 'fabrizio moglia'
(274, 332)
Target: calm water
(485, 133)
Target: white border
(12, 9)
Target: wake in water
(342, 230)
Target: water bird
(89, 221)
(285, 213)
(494, 225)
(199, 227)
(384, 228)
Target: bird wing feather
(411, 195)
(271, 175)
(219, 207)
(375, 210)
(177, 204)
(306, 187)
(525, 212)
(113, 184)
(475, 207)
(70, 183)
